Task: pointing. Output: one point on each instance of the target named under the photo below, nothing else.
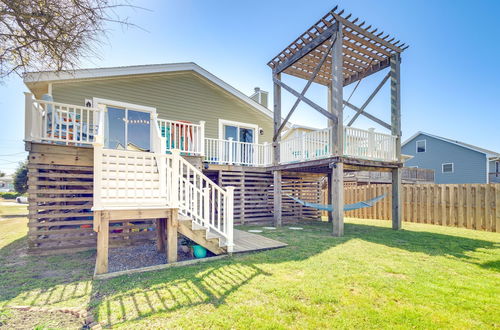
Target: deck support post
(160, 234)
(337, 133)
(396, 199)
(172, 224)
(276, 152)
(396, 130)
(102, 242)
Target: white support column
(337, 134)
(28, 116)
(202, 138)
(230, 218)
(174, 198)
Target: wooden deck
(248, 242)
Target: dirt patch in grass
(28, 318)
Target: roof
(488, 153)
(99, 73)
(365, 50)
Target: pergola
(336, 51)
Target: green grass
(421, 277)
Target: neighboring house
(296, 130)
(452, 161)
(6, 183)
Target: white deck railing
(358, 143)
(58, 122)
(369, 144)
(184, 136)
(308, 146)
(229, 152)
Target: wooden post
(397, 210)
(276, 154)
(329, 196)
(396, 130)
(102, 243)
(337, 133)
(172, 224)
(160, 234)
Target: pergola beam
(368, 100)
(368, 115)
(306, 100)
(306, 87)
(321, 38)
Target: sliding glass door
(128, 129)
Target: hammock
(348, 207)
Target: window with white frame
(237, 131)
(447, 168)
(421, 146)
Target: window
(447, 168)
(241, 132)
(421, 145)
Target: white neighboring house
(7, 183)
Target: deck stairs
(202, 235)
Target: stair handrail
(199, 208)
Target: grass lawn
(421, 277)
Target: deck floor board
(247, 242)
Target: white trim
(238, 124)
(458, 143)
(416, 146)
(452, 167)
(50, 76)
(131, 106)
(414, 166)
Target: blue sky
(450, 73)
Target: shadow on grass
(42, 280)
(53, 279)
(131, 298)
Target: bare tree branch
(39, 35)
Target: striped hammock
(348, 207)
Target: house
(6, 183)
(452, 161)
(123, 155)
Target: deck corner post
(336, 104)
(337, 199)
(102, 243)
(172, 224)
(230, 218)
(395, 75)
(277, 207)
(397, 211)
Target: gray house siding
(469, 166)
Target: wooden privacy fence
(474, 206)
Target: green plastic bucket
(199, 251)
